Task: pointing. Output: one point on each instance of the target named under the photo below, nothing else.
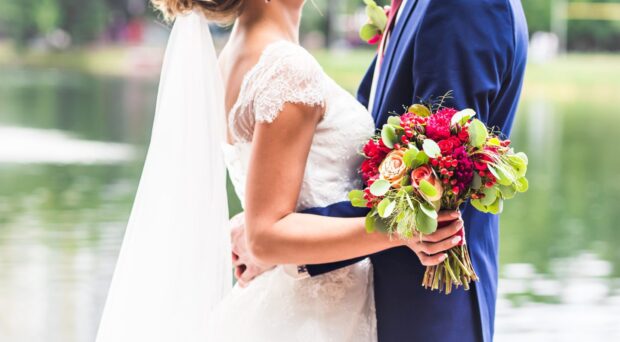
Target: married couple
(306, 268)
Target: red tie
(390, 22)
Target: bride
(292, 140)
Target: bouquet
(431, 158)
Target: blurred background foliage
(88, 21)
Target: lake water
(71, 149)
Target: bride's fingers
(237, 260)
(444, 232)
(239, 270)
(448, 215)
(430, 248)
(248, 275)
(431, 260)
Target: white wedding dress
(337, 306)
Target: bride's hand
(430, 247)
(246, 267)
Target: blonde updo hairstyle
(219, 11)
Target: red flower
(375, 151)
(480, 166)
(438, 125)
(464, 135)
(463, 172)
(448, 145)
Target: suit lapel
(390, 53)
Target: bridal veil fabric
(174, 266)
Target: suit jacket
(477, 49)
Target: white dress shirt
(382, 47)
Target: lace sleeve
(287, 74)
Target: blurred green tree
(581, 34)
(86, 20)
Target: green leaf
(428, 210)
(494, 142)
(356, 194)
(477, 133)
(368, 31)
(523, 157)
(388, 135)
(462, 117)
(518, 164)
(409, 156)
(370, 223)
(386, 208)
(490, 195)
(509, 191)
(420, 159)
(522, 184)
(476, 203)
(357, 198)
(425, 224)
(394, 120)
(431, 148)
(419, 110)
(376, 15)
(504, 177)
(428, 189)
(496, 207)
(359, 203)
(380, 187)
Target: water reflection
(62, 214)
(579, 301)
(20, 145)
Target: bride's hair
(220, 11)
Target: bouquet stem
(457, 270)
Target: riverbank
(595, 76)
(116, 61)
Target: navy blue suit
(478, 49)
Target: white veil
(174, 265)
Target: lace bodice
(287, 73)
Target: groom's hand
(246, 266)
(430, 248)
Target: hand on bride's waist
(246, 266)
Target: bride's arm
(278, 235)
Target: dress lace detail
(285, 73)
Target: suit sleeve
(464, 46)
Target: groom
(477, 49)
